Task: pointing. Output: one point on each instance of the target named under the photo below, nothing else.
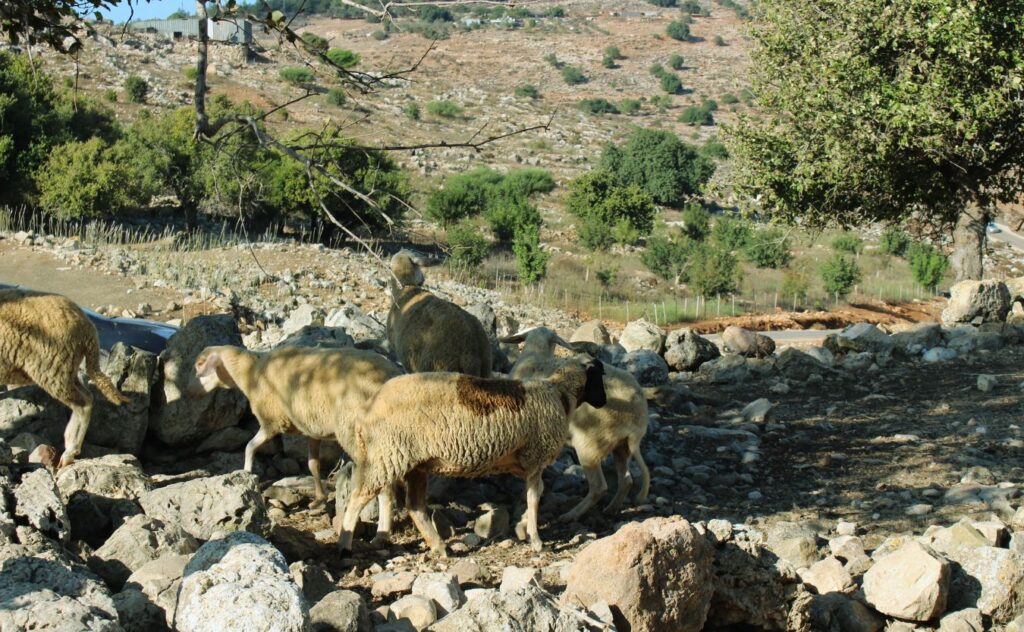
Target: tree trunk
(969, 242)
(202, 123)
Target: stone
(797, 365)
(514, 578)
(646, 366)
(159, 581)
(829, 575)
(957, 540)
(206, 506)
(122, 428)
(591, 331)
(419, 611)
(977, 302)
(179, 417)
(527, 609)
(38, 503)
(642, 335)
(138, 541)
(342, 491)
(686, 351)
(990, 579)
(757, 411)
(302, 316)
(30, 410)
(994, 532)
(860, 338)
(442, 589)
(467, 572)
(795, 543)
(968, 620)
(850, 549)
(911, 583)
(753, 587)
(101, 493)
(389, 584)
(938, 354)
(493, 524)
(362, 328)
(839, 613)
(986, 383)
(312, 579)
(746, 343)
(240, 582)
(340, 611)
(318, 337)
(137, 613)
(728, 369)
(231, 439)
(655, 575)
(917, 338)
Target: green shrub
(928, 265)
(432, 13)
(678, 30)
(502, 198)
(552, 59)
(343, 58)
(314, 41)
(661, 101)
(463, 196)
(412, 111)
(671, 84)
(696, 115)
(729, 98)
(527, 91)
(719, 41)
(731, 233)
(629, 106)
(296, 75)
(136, 89)
(467, 248)
(573, 76)
(668, 169)
(556, 12)
(894, 241)
(714, 149)
(709, 104)
(795, 283)
(607, 210)
(692, 7)
(667, 258)
(696, 221)
(191, 73)
(531, 261)
(507, 216)
(608, 62)
(527, 181)
(769, 248)
(444, 108)
(663, 3)
(597, 106)
(379, 35)
(840, 275)
(676, 61)
(747, 96)
(432, 30)
(657, 70)
(613, 52)
(848, 243)
(110, 95)
(713, 271)
(336, 97)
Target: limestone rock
(123, 427)
(641, 334)
(419, 611)
(829, 575)
(318, 337)
(746, 343)
(340, 611)
(528, 609)
(977, 301)
(159, 581)
(795, 543)
(646, 366)
(442, 589)
(38, 503)
(101, 493)
(728, 369)
(912, 583)
(591, 331)
(205, 506)
(138, 541)
(686, 351)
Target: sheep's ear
(514, 338)
(593, 391)
(209, 368)
(560, 341)
(207, 364)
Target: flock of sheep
(448, 416)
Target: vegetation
(629, 106)
(296, 75)
(714, 149)
(928, 265)
(668, 258)
(671, 84)
(336, 97)
(503, 199)
(719, 41)
(509, 215)
(697, 115)
(444, 108)
(729, 98)
(573, 75)
(412, 111)
(848, 243)
(467, 248)
(110, 95)
(136, 89)
(894, 241)
(768, 248)
(676, 61)
(696, 221)
(668, 169)
(609, 211)
(840, 275)
(531, 261)
(678, 30)
(314, 41)
(713, 271)
(597, 106)
(731, 233)
(343, 58)
(527, 91)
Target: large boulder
(860, 338)
(28, 410)
(747, 343)
(485, 314)
(686, 351)
(990, 579)
(101, 493)
(158, 582)
(526, 609)
(177, 417)
(138, 541)
(591, 331)
(656, 575)
(794, 542)
(303, 316)
(241, 583)
(977, 302)
(911, 583)
(122, 428)
(646, 366)
(797, 365)
(641, 334)
(206, 506)
(340, 611)
(38, 504)
(364, 329)
(317, 337)
(728, 369)
(835, 612)
(918, 338)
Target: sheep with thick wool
(318, 393)
(616, 428)
(43, 340)
(466, 427)
(428, 333)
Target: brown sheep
(43, 340)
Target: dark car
(148, 335)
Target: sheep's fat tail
(98, 377)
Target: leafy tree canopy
(657, 161)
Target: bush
(508, 216)
(696, 115)
(719, 41)
(894, 241)
(444, 108)
(629, 106)
(430, 13)
(678, 30)
(713, 271)
(136, 89)
(527, 91)
(556, 12)
(714, 149)
(552, 59)
(343, 58)
(335, 97)
(927, 264)
(191, 73)
(467, 248)
(709, 104)
(848, 243)
(110, 95)
(296, 75)
(747, 96)
(692, 7)
(412, 111)
(769, 248)
(663, 3)
(531, 261)
(314, 41)
(731, 233)
(696, 221)
(503, 198)
(795, 283)
(609, 211)
(380, 35)
(613, 52)
(661, 101)
(527, 181)
(463, 196)
(729, 98)
(676, 61)
(657, 70)
(608, 62)
(597, 106)
(671, 84)
(667, 258)
(840, 275)
(668, 169)
(573, 76)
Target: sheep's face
(211, 372)
(406, 268)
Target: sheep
(43, 340)
(467, 427)
(428, 333)
(319, 393)
(616, 428)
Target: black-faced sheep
(617, 428)
(43, 340)
(466, 427)
(428, 333)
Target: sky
(149, 10)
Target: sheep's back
(431, 334)
(40, 330)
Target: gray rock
(37, 502)
(179, 418)
(342, 491)
(747, 343)
(420, 612)
(729, 369)
(969, 341)
(860, 338)
(646, 366)
(28, 409)
(829, 575)
(797, 365)
(206, 506)
(136, 612)
(240, 583)
(968, 620)
(796, 543)
(835, 612)
(123, 427)
(990, 579)
(642, 335)
(757, 411)
(977, 302)
(485, 314)
(340, 611)
(528, 609)
(918, 338)
(591, 331)
(938, 354)
(100, 493)
(362, 328)
(513, 578)
(441, 588)
(686, 351)
(821, 354)
(231, 439)
(312, 579)
(493, 524)
(137, 542)
(986, 382)
(912, 583)
(159, 580)
(304, 315)
(318, 337)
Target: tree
(714, 271)
(668, 258)
(731, 233)
(608, 211)
(696, 221)
(467, 247)
(769, 248)
(928, 265)
(678, 30)
(531, 261)
(666, 167)
(840, 275)
(873, 111)
(894, 241)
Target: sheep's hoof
(439, 552)
(381, 540)
(521, 531)
(318, 504)
(536, 545)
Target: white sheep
(617, 428)
(428, 333)
(318, 393)
(43, 340)
(466, 427)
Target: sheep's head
(405, 265)
(211, 372)
(593, 390)
(582, 379)
(538, 340)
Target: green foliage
(840, 275)
(467, 248)
(432, 13)
(463, 196)
(668, 169)
(692, 7)
(552, 59)
(848, 243)
(661, 101)
(314, 41)
(343, 58)
(110, 95)
(444, 108)
(608, 62)
(380, 35)
(296, 75)
(597, 106)
(678, 30)
(741, 11)
(412, 111)
(556, 12)
(657, 70)
(676, 61)
(527, 91)
(609, 211)
(714, 271)
(747, 96)
(136, 89)
(696, 115)
(86, 179)
(336, 97)
(696, 221)
(894, 241)
(768, 248)
(668, 258)
(671, 84)
(531, 261)
(573, 75)
(714, 149)
(508, 215)
(613, 52)
(729, 98)
(719, 41)
(927, 264)
(709, 104)
(795, 283)
(629, 106)
(502, 198)
(191, 73)
(528, 181)
(663, 3)
(731, 233)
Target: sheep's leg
(534, 488)
(254, 444)
(645, 475)
(319, 497)
(417, 497)
(622, 454)
(80, 400)
(597, 487)
(385, 505)
(359, 496)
